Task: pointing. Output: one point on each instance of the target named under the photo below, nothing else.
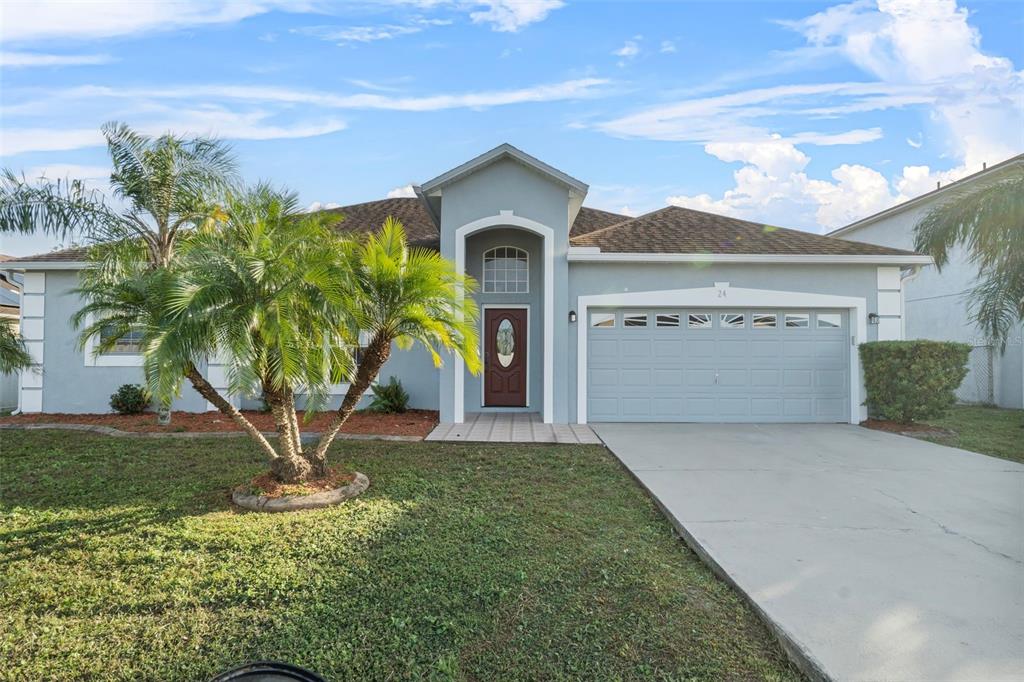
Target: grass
(988, 430)
(123, 559)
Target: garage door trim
(723, 296)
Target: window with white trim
(797, 320)
(506, 271)
(667, 319)
(602, 320)
(698, 320)
(829, 320)
(732, 320)
(764, 320)
(634, 319)
(127, 344)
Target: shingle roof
(590, 219)
(75, 254)
(369, 216)
(681, 230)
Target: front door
(505, 357)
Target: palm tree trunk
(290, 467)
(205, 389)
(374, 357)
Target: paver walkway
(878, 557)
(513, 427)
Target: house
(935, 304)
(586, 315)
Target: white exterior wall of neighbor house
(936, 306)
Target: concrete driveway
(874, 556)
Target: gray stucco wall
(936, 306)
(608, 278)
(68, 384)
(508, 185)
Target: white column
(890, 304)
(33, 309)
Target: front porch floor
(512, 427)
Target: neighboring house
(586, 315)
(935, 303)
(10, 313)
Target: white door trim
(508, 219)
(483, 343)
(723, 296)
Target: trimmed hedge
(908, 381)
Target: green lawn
(988, 430)
(123, 559)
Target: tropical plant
(130, 399)
(907, 381)
(390, 398)
(163, 188)
(281, 298)
(986, 219)
(13, 354)
(396, 295)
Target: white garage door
(718, 365)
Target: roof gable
(503, 151)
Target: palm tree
(988, 221)
(401, 296)
(13, 355)
(166, 188)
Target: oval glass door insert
(505, 342)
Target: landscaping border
(327, 498)
(118, 433)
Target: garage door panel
(719, 373)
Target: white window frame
(709, 325)
(774, 316)
(92, 359)
(636, 314)
(483, 270)
(785, 320)
(659, 325)
(837, 325)
(723, 325)
(590, 320)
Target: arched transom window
(506, 271)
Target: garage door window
(764, 320)
(797, 320)
(732, 320)
(829, 320)
(634, 319)
(699, 321)
(668, 319)
(602, 320)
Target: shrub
(908, 381)
(130, 399)
(390, 398)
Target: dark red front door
(505, 357)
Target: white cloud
(667, 47)
(630, 49)
(404, 191)
(511, 16)
(230, 111)
(321, 206)
(29, 59)
(26, 20)
(922, 54)
(346, 35)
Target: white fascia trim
(712, 297)
(503, 150)
(508, 219)
(46, 265)
(578, 256)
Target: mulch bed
(908, 429)
(417, 423)
(265, 485)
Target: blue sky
(803, 114)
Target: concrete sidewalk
(872, 555)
